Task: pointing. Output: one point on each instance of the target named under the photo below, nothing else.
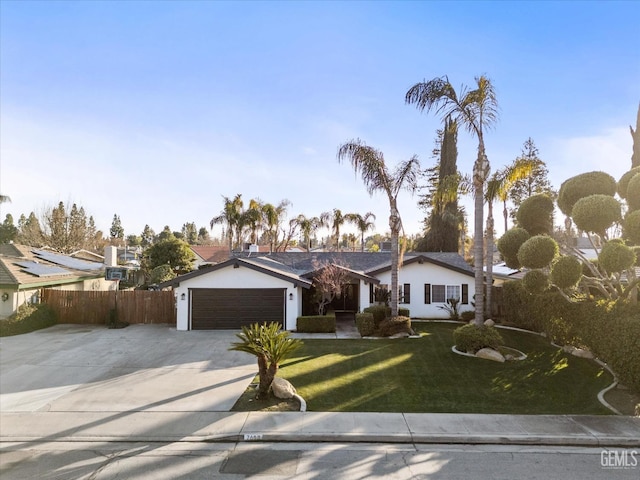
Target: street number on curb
(252, 436)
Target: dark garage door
(231, 308)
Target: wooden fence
(135, 306)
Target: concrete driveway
(83, 368)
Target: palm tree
(308, 226)
(270, 346)
(377, 177)
(231, 217)
(362, 223)
(476, 110)
(337, 220)
(498, 188)
(273, 216)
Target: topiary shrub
(584, 185)
(596, 213)
(365, 324)
(470, 338)
(316, 324)
(616, 257)
(633, 193)
(566, 272)
(535, 281)
(510, 243)
(535, 214)
(623, 183)
(632, 227)
(394, 325)
(538, 252)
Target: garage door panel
(220, 308)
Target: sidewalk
(137, 426)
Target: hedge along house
(24, 271)
(278, 287)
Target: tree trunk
(394, 225)
(263, 373)
(505, 214)
(479, 173)
(489, 259)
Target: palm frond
(369, 162)
(405, 176)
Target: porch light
(291, 296)
(183, 296)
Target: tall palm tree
(362, 223)
(498, 188)
(337, 220)
(273, 216)
(476, 110)
(231, 218)
(377, 178)
(308, 226)
(252, 218)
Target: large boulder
(490, 354)
(282, 388)
(489, 323)
(582, 353)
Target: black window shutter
(427, 293)
(465, 293)
(407, 293)
(371, 299)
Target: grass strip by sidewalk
(424, 375)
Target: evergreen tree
(8, 231)
(190, 233)
(29, 231)
(57, 225)
(203, 236)
(148, 235)
(77, 236)
(165, 234)
(116, 231)
(534, 184)
(444, 220)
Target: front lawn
(423, 375)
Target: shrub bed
(365, 324)
(27, 319)
(380, 312)
(316, 324)
(469, 338)
(611, 331)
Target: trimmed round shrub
(538, 252)
(469, 338)
(623, 183)
(616, 257)
(596, 213)
(510, 243)
(535, 281)
(535, 214)
(566, 271)
(584, 185)
(632, 227)
(633, 193)
(393, 325)
(467, 315)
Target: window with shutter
(427, 293)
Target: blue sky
(155, 110)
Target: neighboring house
(24, 271)
(209, 255)
(278, 287)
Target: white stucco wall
(417, 275)
(242, 277)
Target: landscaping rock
(568, 349)
(489, 323)
(582, 353)
(490, 354)
(508, 357)
(282, 388)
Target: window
(442, 293)
(405, 293)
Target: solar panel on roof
(40, 270)
(68, 262)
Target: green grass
(423, 375)
(27, 319)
